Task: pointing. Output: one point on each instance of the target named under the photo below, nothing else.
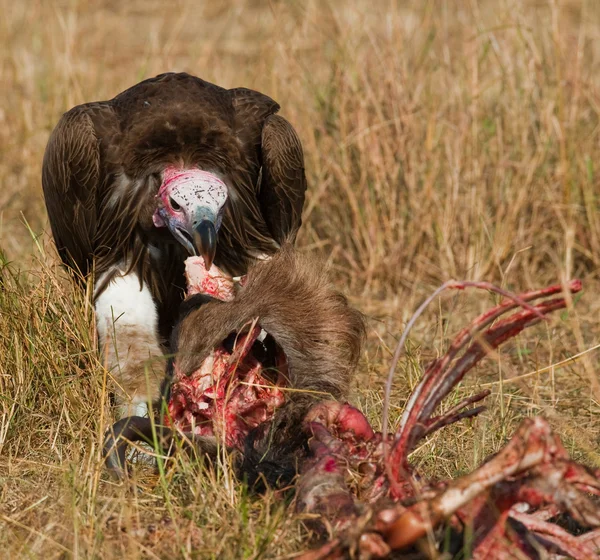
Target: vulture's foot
(119, 440)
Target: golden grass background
(443, 139)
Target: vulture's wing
(277, 147)
(283, 185)
(71, 175)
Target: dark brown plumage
(103, 165)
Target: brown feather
(283, 182)
(71, 172)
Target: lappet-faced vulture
(170, 167)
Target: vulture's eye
(174, 204)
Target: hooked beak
(205, 241)
(197, 233)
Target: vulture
(171, 167)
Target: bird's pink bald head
(191, 204)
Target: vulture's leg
(127, 320)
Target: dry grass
(443, 139)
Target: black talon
(117, 439)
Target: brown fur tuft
(294, 301)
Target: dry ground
(443, 139)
